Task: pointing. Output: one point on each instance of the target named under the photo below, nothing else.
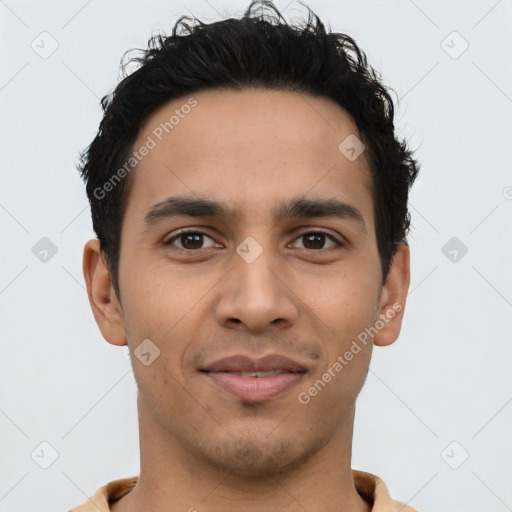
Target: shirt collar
(369, 486)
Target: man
(250, 201)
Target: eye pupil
(317, 236)
(196, 236)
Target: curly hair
(258, 50)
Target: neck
(174, 479)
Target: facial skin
(302, 297)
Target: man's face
(248, 283)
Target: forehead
(248, 148)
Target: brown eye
(315, 240)
(189, 240)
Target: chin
(250, 458)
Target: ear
(102, 298)
(393, 297)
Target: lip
(242, 363)
(255, 389)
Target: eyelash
(339, 244)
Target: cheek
(353, 313)
(158, 296)
(344, 301)
(348, 308)
(168, 308)
(334, 389)
(348, 349)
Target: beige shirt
(369, 486)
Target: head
(274, 141)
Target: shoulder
(114, 490)
(374, 490)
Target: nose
(257, 296)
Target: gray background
(443, 389)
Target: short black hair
(258, 50)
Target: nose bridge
(253, 263)
(255, 292)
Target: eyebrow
(298, 207)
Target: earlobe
(102, 298)
(393, 297)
